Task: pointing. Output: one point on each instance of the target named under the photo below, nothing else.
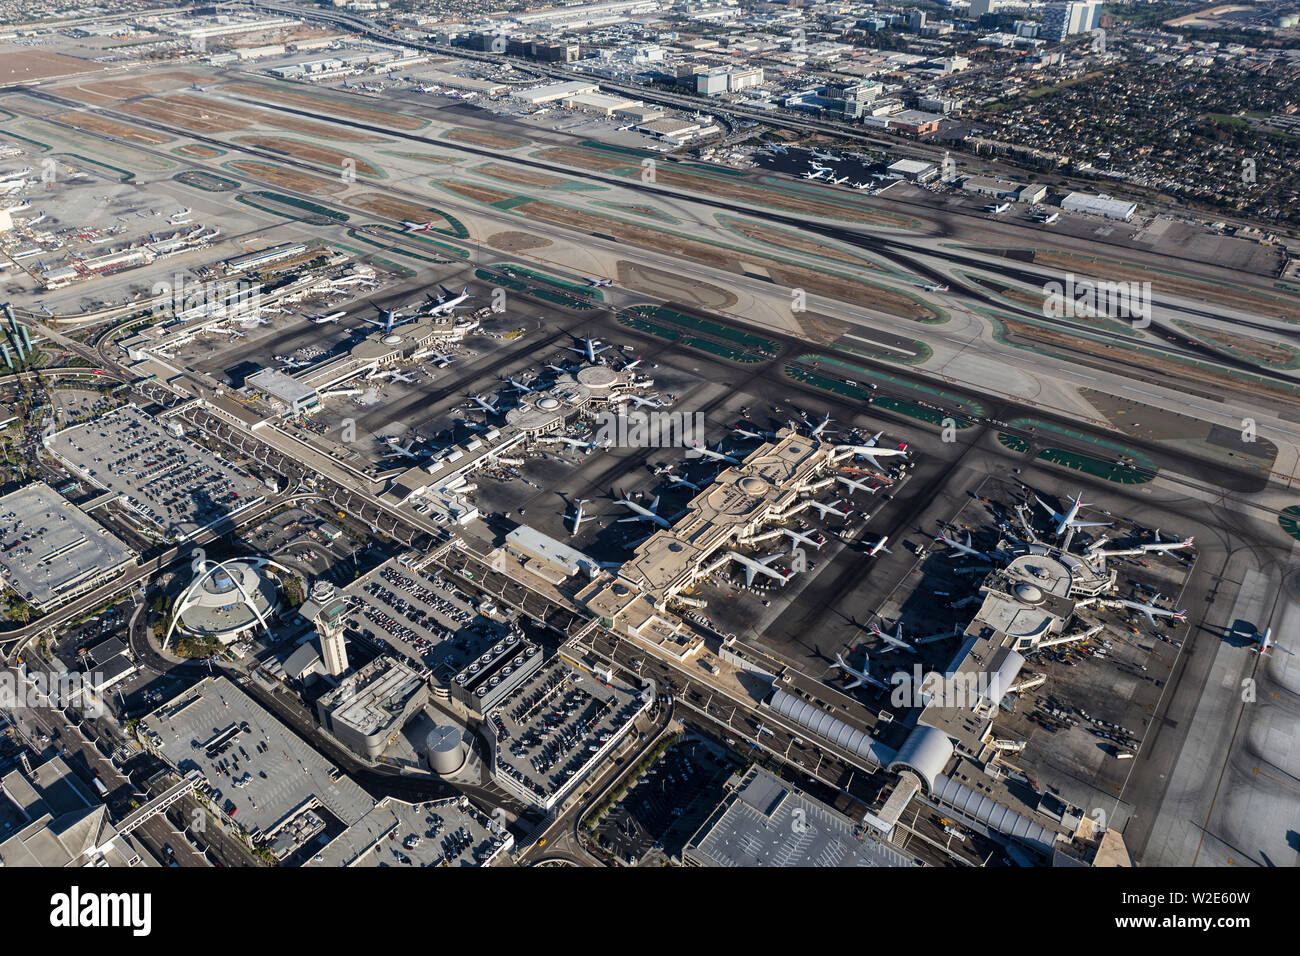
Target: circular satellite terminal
(392, 339)
(753, 485)
(1029, 593)
(549, 404)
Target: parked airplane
(1166, 546)
(855, 485)
(638, 400)
(401, 377)
(447, 302)
(895, 640)
(961, 548)
(879, 546)
(776, 149)
(440, 359)
(578, 517)
(819, 427)
(1070, 520)
(408, 449)
(590, 348)
(756, 566)
(704, 451)
(392, 319)
(1150, 611)
(322, 319)
(484, 404)
(872, 453)
(798, 537)
(837, 181)
(645, 514)
(572, 442)
(746, 433)
(860, 677)
(677, 481)
(519, 386)
(815, 175)
(829, 509)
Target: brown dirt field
(437, 160)
(1175, 371)
(629, 232)
(322, 105)
(392, 208)
(821, 329)
(206, 115)
(647, 211)
(674, 286)
(122, 89)
(524, 177)
(481, 138)
(789, 240)
(516, 241)
(101, 125)
(1113, 271)
(22, 66)
(477, 193)
(584, 160)
(313, 154)
(288, 178)
(1257, 349)
(872, 297)
(199, 151)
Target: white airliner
(756, 566)
(798, 537)
(590, 348)
(600, 283)
(408, 449)
(645, 514)
(400, 377)
(571, 442)
(819, 427)
(1070, 520)
(829, 509)
(1159, 545)
(895, 640)
(392, 319)
(484, 404)
(961, 548)
(677, 481)
(322, 319)
(871, 452)
(447, 302)
(519, 386)
(440, 359)
(638, 400)
(860, 677)
(578, 517)
(878, 547)
(1150, 611)
(935, 288)
(837, 181)
(746, 433)
(704, 451)
(855, 485)
(816, 175)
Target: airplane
(484, 404)
(834, 181)
(572, 442)
(895, 640)
(860, 677)
(817, 175)
(408, 449)
(820, 427)
(831, 157)
(1069, 521)
(519, 386)
(799, 537)
(829, 509)
(591, 348)
(631, 365)
(871, 452)
(957, 546)
(1150, 611)
(440, 359)
(249, 321)
(322, 319)
(14, 174)
(639, 401)
(703, 451)
(677, 481)
(391, 319)
(861, 185)
(746, 433)
(643, 513)
(755, 566)
(879, 546)
(935, 288)
(855, 485)
(447, 301)
(400, 377)
(777, 149)
(557, 368)
(600, 283)
(578, 516)
(1166, 546)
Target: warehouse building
(1099, 206)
